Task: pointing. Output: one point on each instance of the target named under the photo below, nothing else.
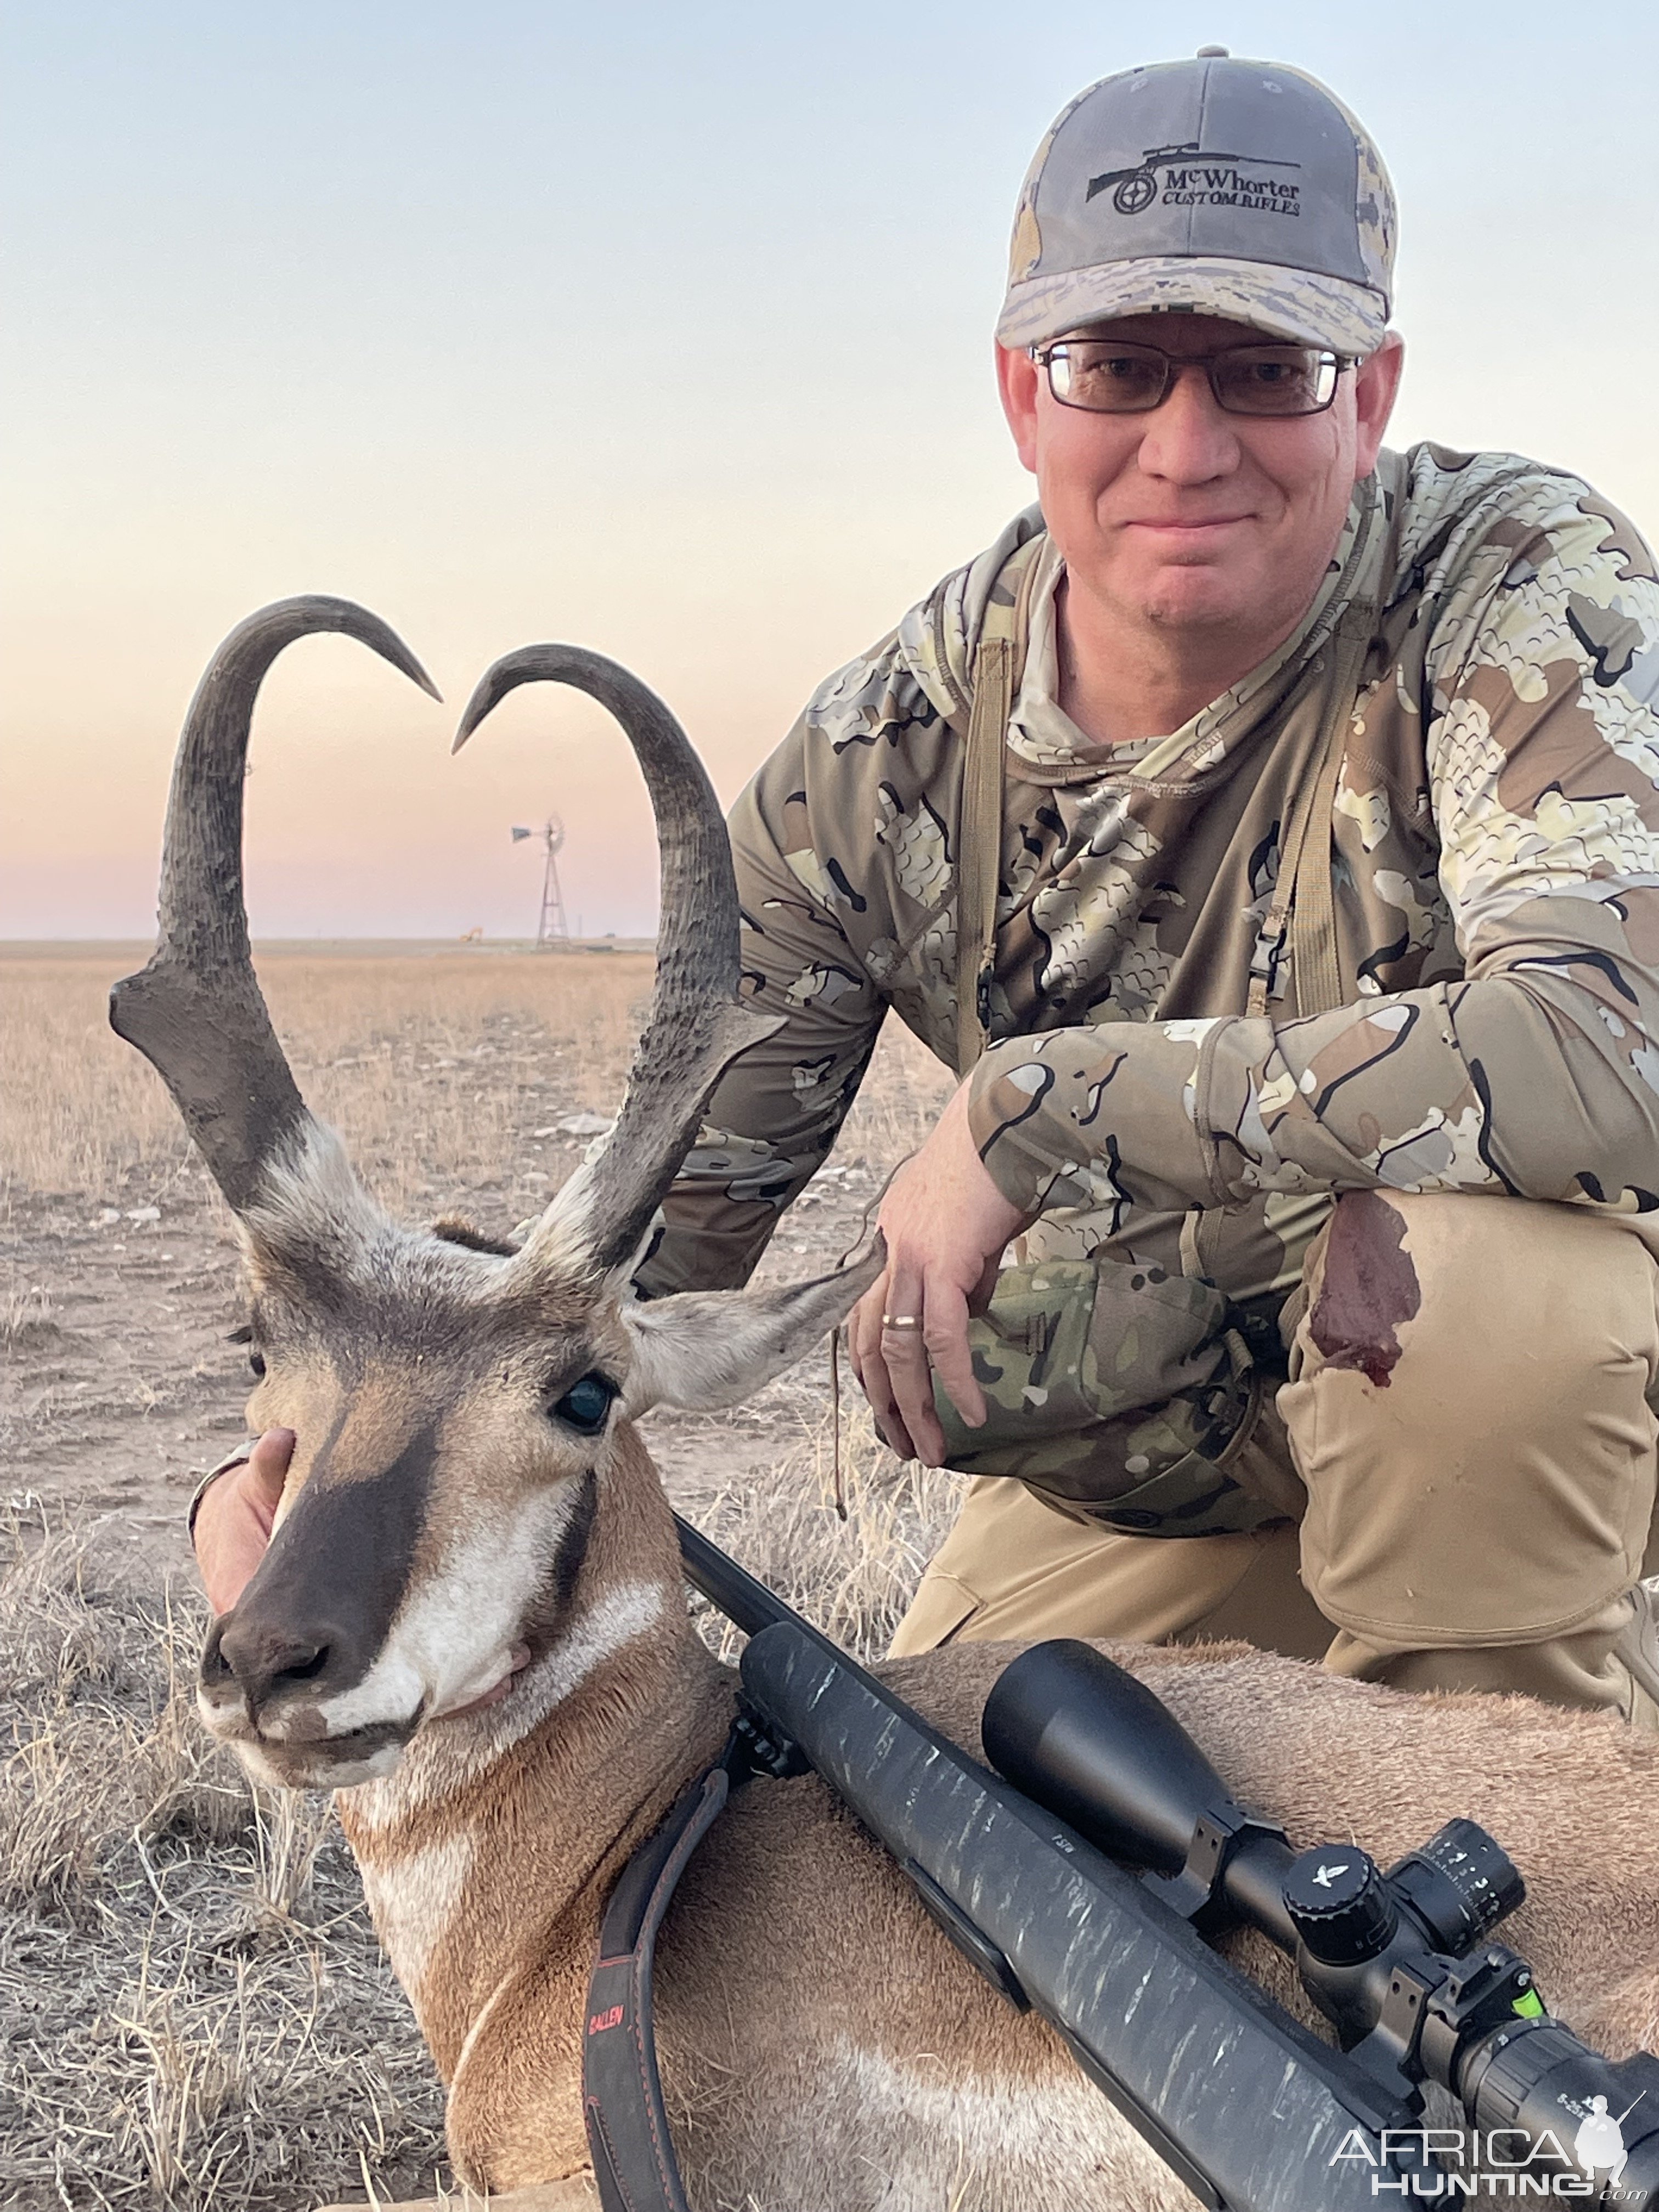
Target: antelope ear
(705, 1349)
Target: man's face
(1189, 519)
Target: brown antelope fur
(471, 1622)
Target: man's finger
(914, 1391)
(884, 1406)
(950, 1355)
(267, 1463)
(904, 1350)
(901, 1321)
(940, 1353)
(890, 1423)
(234, 1518)
(865, 1343)
(904, 1357)
(864, 1327)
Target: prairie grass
(476, 1039)
(194, 2010)
(852, 1577)
(438, 1071)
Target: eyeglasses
(1106, 376)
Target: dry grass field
(193, 2010)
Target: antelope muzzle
(298, 1676)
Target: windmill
(552, 931)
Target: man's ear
(705, 1349)
(1017, 382)
(1377, 384)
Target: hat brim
(1295, 304)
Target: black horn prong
(196, 1010)
(697, 1023)
(488, 693)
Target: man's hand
(946, 1225)
(233, 1521)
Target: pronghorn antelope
(472, 1619)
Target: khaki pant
(1470, 1420)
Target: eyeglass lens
(1109, 377)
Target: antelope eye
(585, 1404)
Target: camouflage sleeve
(1537, 1074)
(774, 1113)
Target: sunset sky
(664, 329)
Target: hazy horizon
(667, 332)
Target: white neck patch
(999, 2143)
(414, 1898)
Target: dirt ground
(162, 1921)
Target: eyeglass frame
(1042, 355)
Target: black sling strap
(628, 2137)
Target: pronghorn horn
(196, 1011)
(697, 1023)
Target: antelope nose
(268, 1663)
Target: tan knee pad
(1469, 1408)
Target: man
(1312, 968)
(1240, 605)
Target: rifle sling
(628, 2137)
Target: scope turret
(1339, 1904)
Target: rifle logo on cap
(1196, 178)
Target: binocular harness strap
(999, 667)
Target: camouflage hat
(1213, 187)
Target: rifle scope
(1400, 1962)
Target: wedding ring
(901, 1321)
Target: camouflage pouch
(1117, 1394)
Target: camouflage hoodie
(1495, 853)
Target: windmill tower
(552, 931)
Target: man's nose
(1187, 438)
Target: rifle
(1250, 2111)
